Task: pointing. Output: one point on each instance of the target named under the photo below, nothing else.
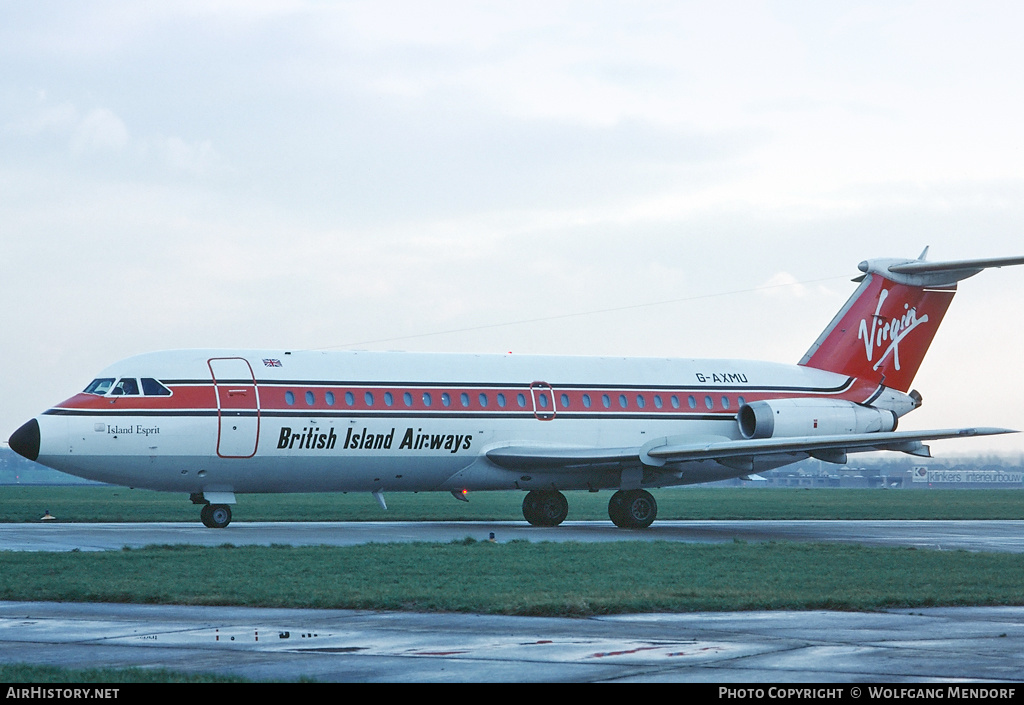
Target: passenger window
(100, 386)
(152, 388)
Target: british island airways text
(363, 439)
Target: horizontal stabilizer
(922, 273)
(964, 264)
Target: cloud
(314, 173)
(100, 130)
(193, 157)
(783, 285)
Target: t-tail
(884, 330)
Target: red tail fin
(884, 330)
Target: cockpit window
(125, 385)
(100, 386)
(150, 387)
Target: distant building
(924, 477)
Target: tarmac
(1003, 536)
(940, 645)
(937, 645)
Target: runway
(1003, 536)
(916, 645)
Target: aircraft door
(543, 401)
(238, 407)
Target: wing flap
(567, 458)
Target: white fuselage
(274, 421)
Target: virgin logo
(891, 332)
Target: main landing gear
(545, 507)
(628, 509)
(632, 509)
(215, 516)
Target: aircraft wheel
(632, 509)
(616, 512)
(215, 516)
(545, 507)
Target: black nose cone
(25, 441)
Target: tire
(215, 516)
(632, 509)
(617, 510)
(545, 507)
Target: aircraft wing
(735, 453)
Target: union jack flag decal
(271, 362)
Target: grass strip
(522, 578)
(19, 503)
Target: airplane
(217, 423)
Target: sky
(681, 179)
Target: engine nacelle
(781, 418)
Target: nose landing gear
(215, 516)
